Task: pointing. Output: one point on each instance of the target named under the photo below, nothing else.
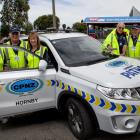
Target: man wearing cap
(15, 57)
(133, 49)
(116, 41)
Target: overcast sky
(70, 11)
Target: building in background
(134, 12)
(103, 25)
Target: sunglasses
(121, 28)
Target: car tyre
(78, 119)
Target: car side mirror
(43, 65)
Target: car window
(77, 51)
(50, 58)
(15, 58)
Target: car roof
(54, 36)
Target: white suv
(91, 89)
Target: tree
(80, 27)
(64, 26)
(15, 12)
(4, 30)
(45, 21)
(28, 27)
(7, 14)
(21, 8)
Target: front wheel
(78, 119)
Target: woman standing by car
(35, 47)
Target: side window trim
(51, 58)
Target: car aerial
(93, 90)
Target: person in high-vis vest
(15, 57)
(116, 41)
(35, 48)
(133, 49)
(1, 59)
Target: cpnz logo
(117, 63)
(24, 86)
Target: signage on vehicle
(21, 87)
(132, 72)
(117, 63)
(25, 102)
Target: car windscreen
(79, 51)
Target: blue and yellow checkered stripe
(96, 101)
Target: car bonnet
(122, 72)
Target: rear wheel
(78, 119)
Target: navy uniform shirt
(134, 38)
(121, 41)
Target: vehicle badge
(117, 63)
(17, 58)
(133, 48)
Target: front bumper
(122, 124)
(125, 123)
(116, 116)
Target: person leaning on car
(116, 41)
(35, 48)
(15, 57)
(133, 49)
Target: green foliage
(15, 12)
(7, 14)
(80, 27)
(4, 30)
(21, 16)
(45, 21)
(64, 26)
(28, 28)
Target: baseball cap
(135, 26)
(14, 29)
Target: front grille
(138, 90)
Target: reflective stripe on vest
(33, 61)
(23, 44)
(1, 60)
(133, 51)
(15, 60)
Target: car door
(24, 90)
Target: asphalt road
(47, 125)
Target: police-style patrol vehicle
(94, 91)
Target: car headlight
(124, 94)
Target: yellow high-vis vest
(112, 41)
(16, 61)
(133, 51)
(33, 61)
(1, 59)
